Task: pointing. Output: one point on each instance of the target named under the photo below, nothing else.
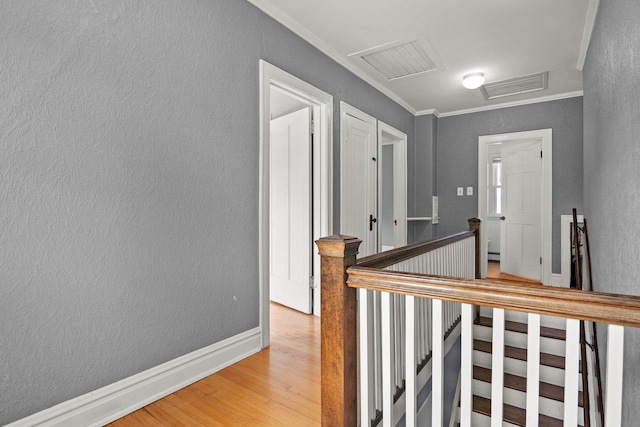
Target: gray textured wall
(612, 168)
(422, 171)
(129, 163)
(457, 159)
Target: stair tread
(515, 382)
(513, 414)
(510, 325)
(546, 359)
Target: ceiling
(504, 39)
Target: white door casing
(546, 185)
(520, 225)
(322, 104)
(392, 196)
(358, 170)
(290, 204)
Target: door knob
(502, 218)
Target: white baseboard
(116, 400)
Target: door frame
(546, 188)
(399, 180)
(322, 104)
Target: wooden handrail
(338, 342)
(394, 256)
(561, 302)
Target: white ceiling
(503, 39)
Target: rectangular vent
(402, 60)
(515, 86)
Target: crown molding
(267, 7)
(514, 104)
(432, 111)
(589, 23)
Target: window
(495, 186)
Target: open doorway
(523, 233)
(392, 187)
(280, 95)
(291, 204)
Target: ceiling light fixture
(473, 80)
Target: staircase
(552, 348)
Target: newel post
(338, 331)
(474, 225)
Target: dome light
(473, 80)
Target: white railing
(387, 378)
(343, 277)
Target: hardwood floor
(493, 272)
(279, 386)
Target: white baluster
(366, 397)
(378, 349)
(497, 368)
(466, 368)
(388, 386)
(410, 363)
(401, 340)
(420, 329)
(615, 361)
(571, 373)
(533, 370)
(437, 364)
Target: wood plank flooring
(493, 272)
(279, 386)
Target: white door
(521, 225)
(358, 180)
(290, 211)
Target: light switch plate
(460, 191)
(469, 191)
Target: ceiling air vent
(515, 86)
(399, 60)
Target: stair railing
(388, 377)
(580, 239)
(341, 277)
(382, 322)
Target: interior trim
(322, 104)
(268, 8)
(589, 23)
(116, 400)
(556, 97)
